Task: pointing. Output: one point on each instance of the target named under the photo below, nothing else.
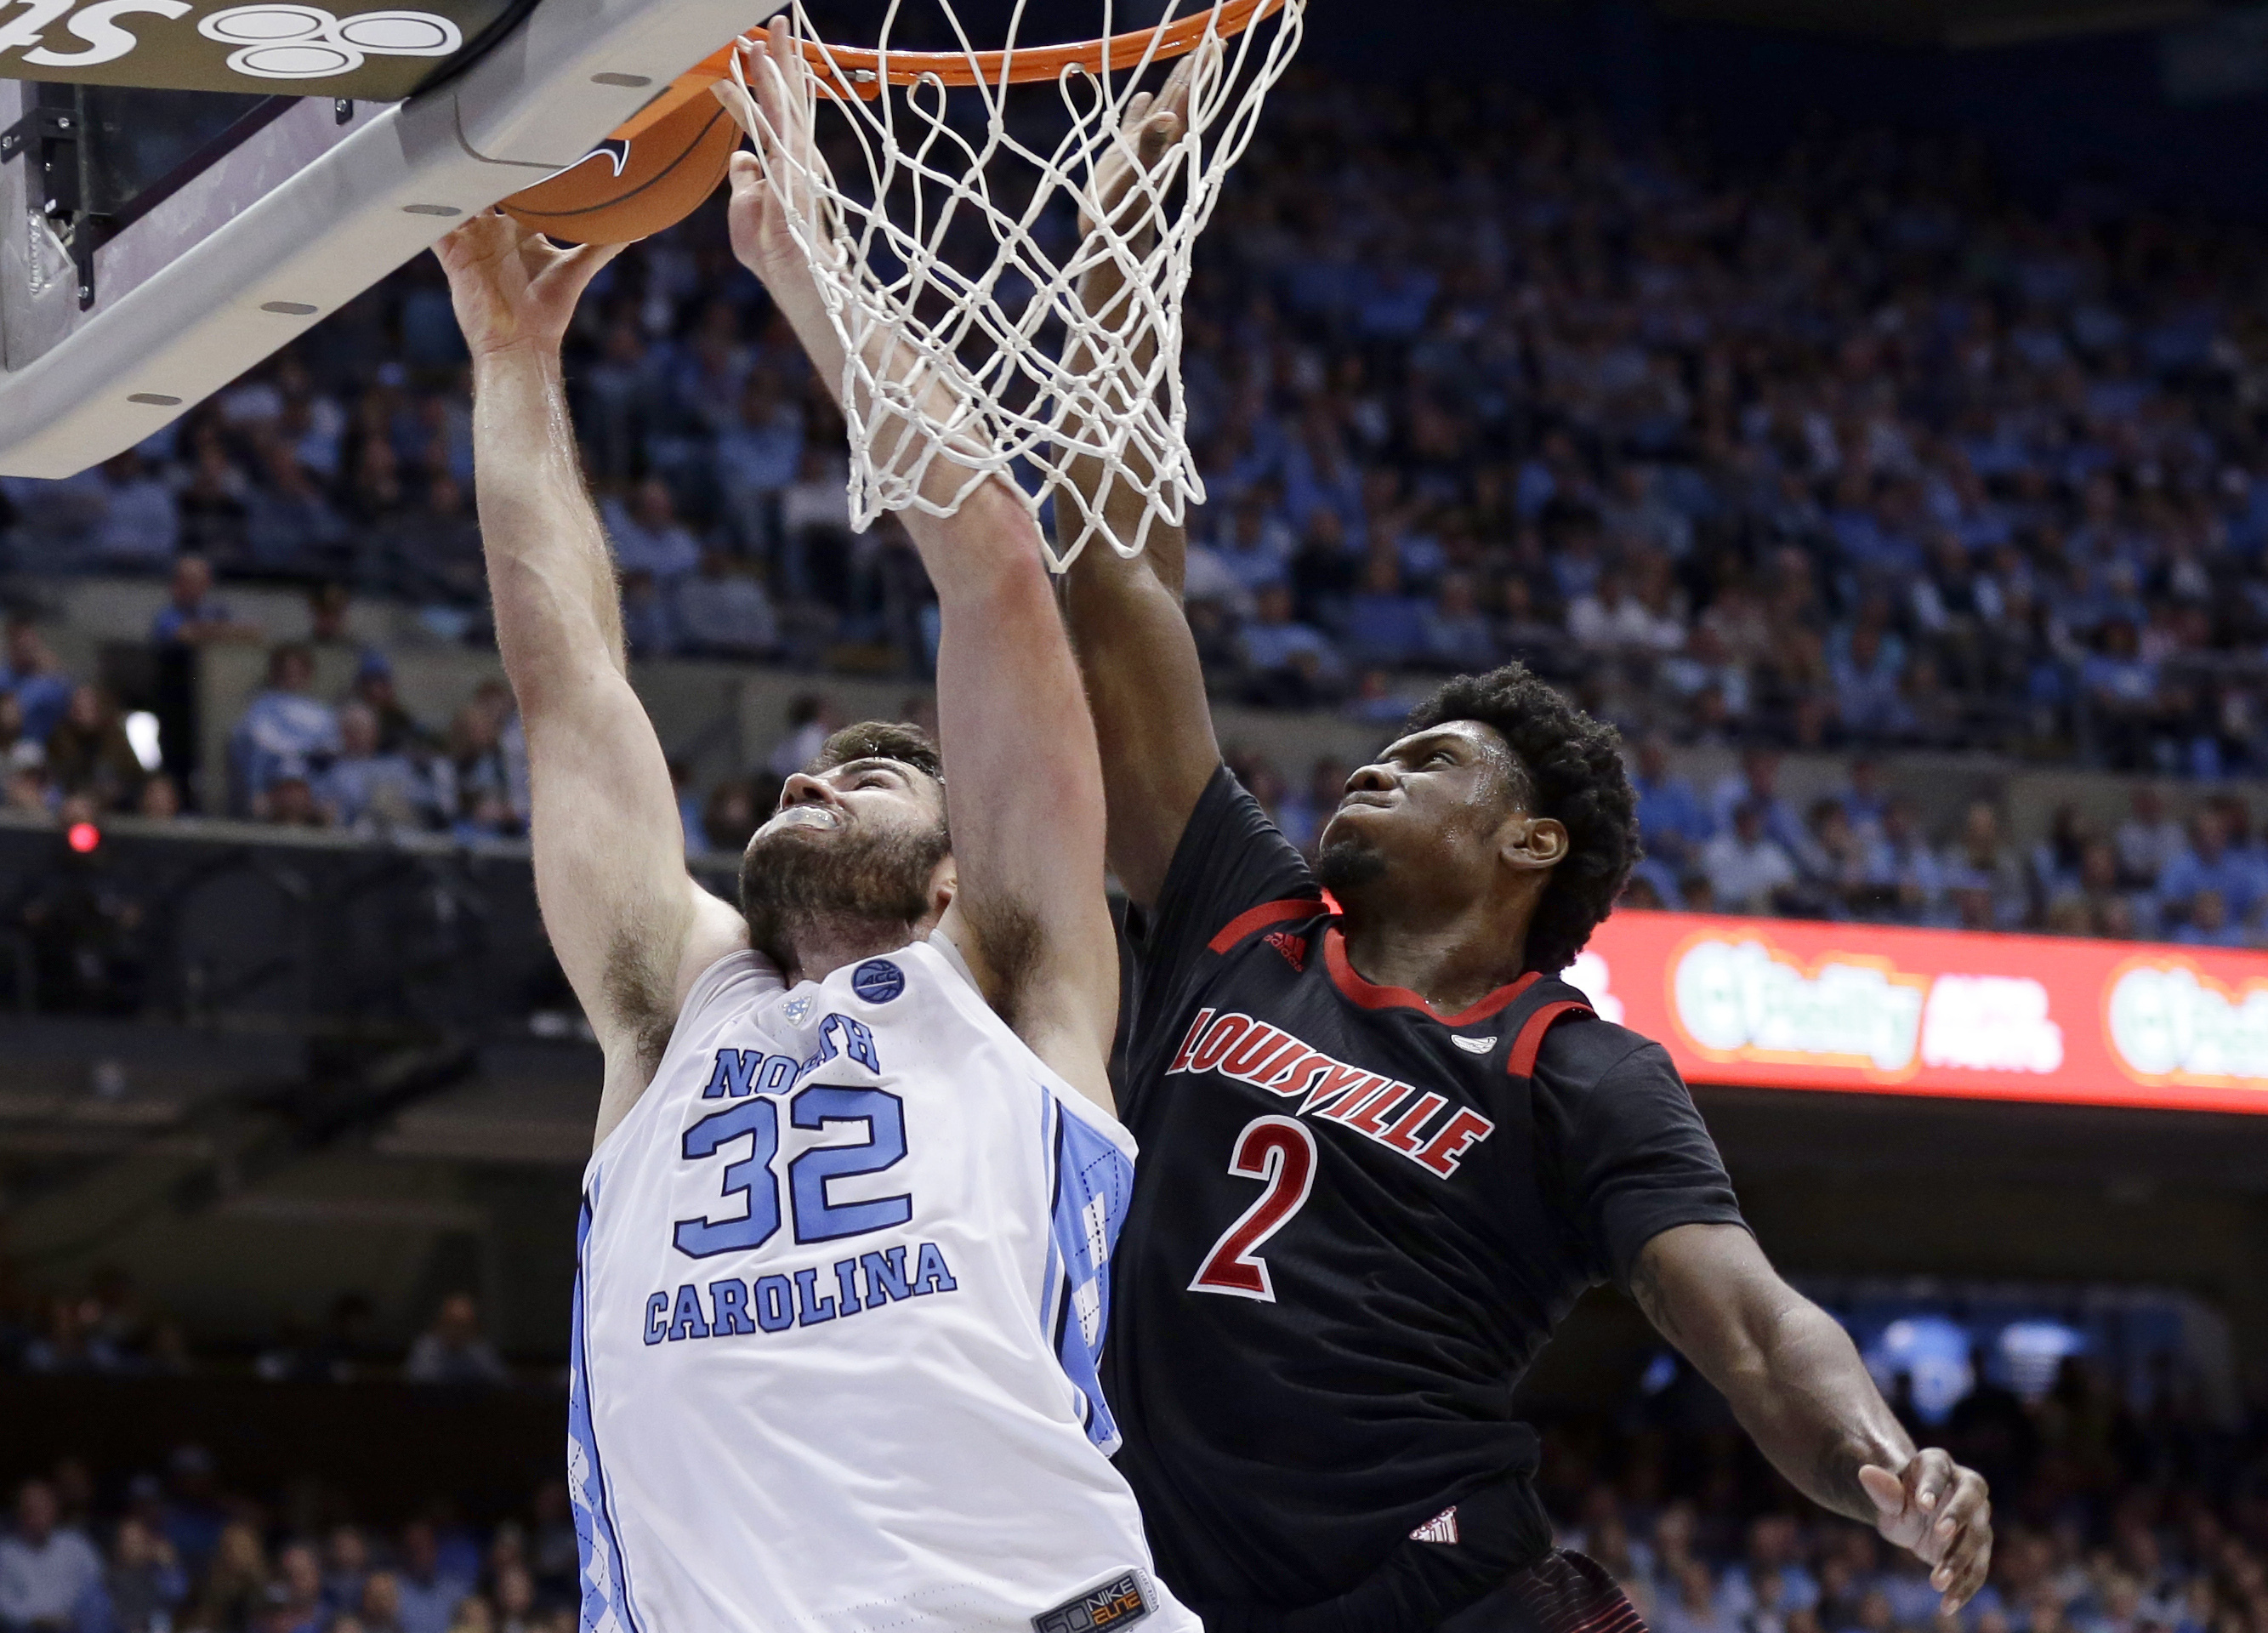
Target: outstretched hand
(514, 288)
(1940, 1513)
(769, 94)
(1151, 126)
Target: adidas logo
(1473, 1045)
(1443, 1526)
(1294, 949)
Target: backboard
(157, 242)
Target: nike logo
(614, 150)
(1475, 1045)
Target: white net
(951, 269)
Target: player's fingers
(1885, 1490)
(1963, 1570)
(1157, 136)
(1965, 1511)
(1175, 94)
(787, 57)
(585, 260)
(1928, 1476)
(736, 102)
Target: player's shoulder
(1583, 1054)
(736, 978)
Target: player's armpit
(631, 929)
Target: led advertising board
(1863, 1008)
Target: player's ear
(944, 884)
(1532, 843)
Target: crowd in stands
(181, 1555)
(2112, 1515)
(104, 1329)
(363, 762)
(1849, 447)
(1849, 450)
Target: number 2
(1281, 1152)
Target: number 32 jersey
(843, 1282)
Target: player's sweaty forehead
(1469, 743)
(911, 777)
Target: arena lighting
(83, 837)
(142, 737)
(1869, 1009)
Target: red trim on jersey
(1259, 918)
(1529, 1044)
(1373, 996)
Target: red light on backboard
(83, 837)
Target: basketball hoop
(958, 257)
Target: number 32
(1281, 1153)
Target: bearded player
(1386, 1147)
(843, 1244)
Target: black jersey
(1355, 1222)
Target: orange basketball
(623, 190)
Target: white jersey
(842, 1283)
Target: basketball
(628, 189)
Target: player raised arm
(1144, 681)
(631, 929)
(1792, 1379)
(1023, 787)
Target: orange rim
(1029, 64)
(862, 71)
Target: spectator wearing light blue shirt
(2209, 866)
(367, 790)
(426, 1595)
(140, 523)
(759, 454)
(1383, 624)
(1900, 863)
(2209, 924)
(35, 678)
(192, 614)
(1864, 802)
(50, 1576)
(1757, 783)
(1867, 676)
(647, 535)
(1287, 659)
(1456, 631)
(1254, 547)
(1671, 821)
(284, 731)
(2121, 685)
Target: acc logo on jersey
(878, 980)
(1119, 1602)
